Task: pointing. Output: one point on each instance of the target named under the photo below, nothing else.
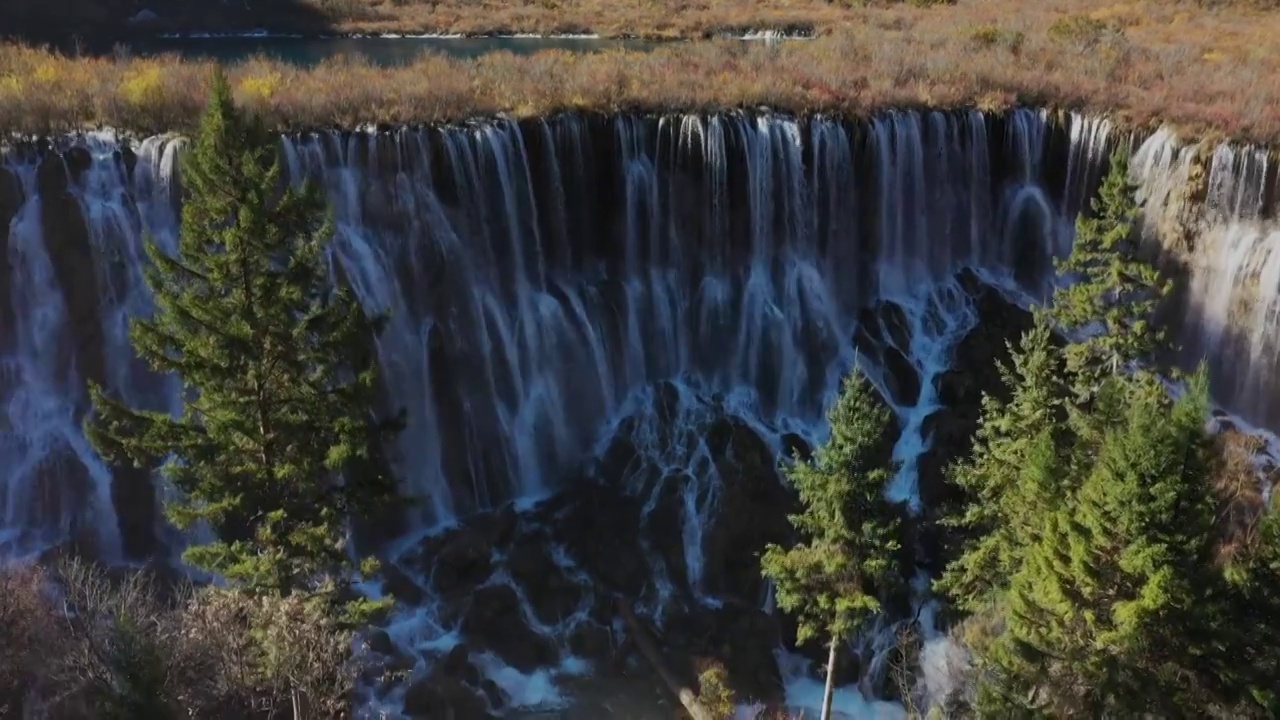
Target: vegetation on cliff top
(1139, 62)
(63, 19)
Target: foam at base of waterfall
(804, 694)
(526, 691)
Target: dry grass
(1142, 62)
(645, 18)
(1238, 484)
(30, 635)
(208, 653)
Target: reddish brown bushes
(1238, 483)
(1139, 62)
(30, 635)
(78, 643)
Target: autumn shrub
(1168, 63)
(82, 643)
(991, 36)
(1079, 30)
(1239, 484)
(714, 692)
(124, 658)
(31, 638)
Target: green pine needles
(277, 444)
(1091, 567)
(1108, 306)
(832, 580)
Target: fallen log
(648, 648)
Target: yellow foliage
(1214, 56)
(46, 72)
(142, 84)
(1123, 14)
(261, 87)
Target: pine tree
(1109, 613)
(831, 580)
(276, 445)
(1010, 475)
(1108, 306)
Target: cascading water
(552, 280)
(54, 488)
(1219, 203)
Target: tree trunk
(688, 698)
(831, 680)
(299, 704)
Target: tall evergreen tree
(1092, 561)
(1109, 612)
(1108, 306)
(1010, 475)
(833, 578)
(275, 446)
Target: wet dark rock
(552, 594)
(442, 698)
(457, 665)
(753, 508)
(78, 160)
(901, 377)
(973, 373)
(380, 642)
(590, 641)
(494, 622)
(664, 526)
(498, 527)
(400, 586)
(601, 531)
(883, 336)
(666, 403)
(621, 457)
(795, 446)
(10, 202)
(67, 240)
(129, 160)
(740, 636)
(494, 694)
(458, 561)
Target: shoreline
(763, 34)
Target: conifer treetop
(278, 442)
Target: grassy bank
(55, 19)
(63, 19)
(1208, 70)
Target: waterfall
(539, 272)
(1215, 209)
(549, 280)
